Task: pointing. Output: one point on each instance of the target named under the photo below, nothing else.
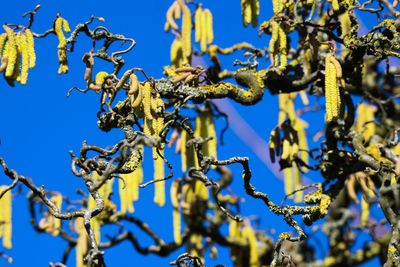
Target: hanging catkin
(3, 40)
(205, 128)
(138, 176)
(130, 192)
(332, 94)
(203, 31)
(82, 242)
(288, 180)
(204, 28)
(5, 217)
(365, 120)
(298, 197)
(125, 193)
(200, 190)
(10, 51)
(364, 211)
(251, 238)
(211, 144)
(147, 101)
(286, 108)
(277, 6)
(188, 156)
(31, 48)
(176, 214)
(173, 12)
(22, 45)
(177, 58)
(186, 33)
(104, 191)
(282, 48)
(60, 26)
(300, 127)
(57, 200)
(159, 173)
(250, 12)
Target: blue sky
(39, 124)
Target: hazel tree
(316, 53)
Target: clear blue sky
(39, 124)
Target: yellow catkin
(58, 29)
(282, 47)
(176, 215)
(158, 122)
(31, 48)
(288, 180)
(285, 149)
(104, 192)
(159, 173)
(173, 12)
(188, 198)
(82, 242)
(186, 32)
(177, 11)
(364, 211)
(61, 25)
(147, 127)
(209, 25)
(212, 144)
(201, 130)
(246, 12)
(133, 83)
(300, 127)
(57, 200)
(282, 98)
(158, 125)
(273, 41)
(298, 197)
(3, 39)
(200, 190)
(332, 96)
(205, 128)
(125, 193)
(203, 31)
(365, 120)
(187, 153)
(147, 101)
(176, 218)
(130, 192)
(277, 6)
(12, 51)
(66, 25)
(183, 141)
(197, 23)
(345, 27)
(251, 238)
(23, 49)
(177, 58)
(290, 109)
(6, 218)
(17, 69)
(137, 175)
(255, 11)
(234, 230)
(195, 245)
(95, 223)
(335, 5)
